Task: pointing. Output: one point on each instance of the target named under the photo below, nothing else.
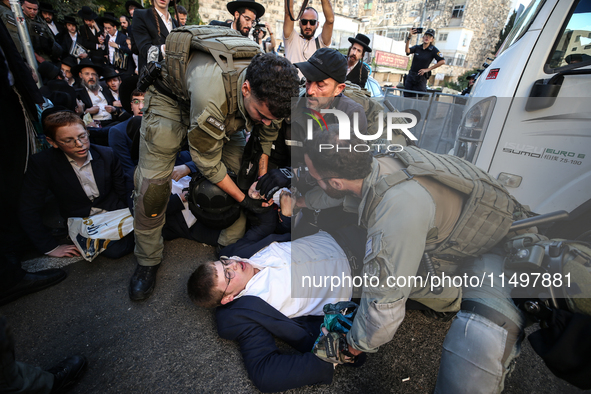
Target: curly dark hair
(340, 161)
(201, 286)
(274, 81)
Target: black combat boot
(143, 282)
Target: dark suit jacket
(145, 33)
(121, 40)
(50, 170)
(82, 95)
(254, 324)
(356, 77)
(90, 41)
(66, 43)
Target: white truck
(528, 120)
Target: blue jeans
(479, 348)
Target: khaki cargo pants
(164, 126)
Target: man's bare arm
(328, 24)
(263, 164)
(288, 24)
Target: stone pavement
(167, 345)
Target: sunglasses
(312, 22)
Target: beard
(240, 28)
(334, 193)
(93, 87)
(307, 34)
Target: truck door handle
(544, 92)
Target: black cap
(253, 5)
(362, 40)
(325, 63)
(430, 32)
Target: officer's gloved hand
(253, 205)
(274, 180)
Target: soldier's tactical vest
(488, 209)
(223, 44)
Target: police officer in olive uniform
(7, 17)
(42, 38)
(198, 105)
(405, 215)
(420, 71)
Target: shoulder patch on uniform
(215, 123)
(10, 19)
(439, 54)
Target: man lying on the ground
(269, 295)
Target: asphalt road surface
(167, 345)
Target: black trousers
(13, 159)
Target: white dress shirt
(284, 269)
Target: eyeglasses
(137, 101)
(312, 22)
(72, 142)
(228, 273)
(247, 18)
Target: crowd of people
(212, 149)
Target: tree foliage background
(71, 7)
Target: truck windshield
(522, 24)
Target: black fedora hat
(109, 73)
(48, 71)
(86, 13)
(133, 3)
(253, 5)
(323, 64)
(362, 40)
(109, 17)
(46, 7)
(70, 19)
(86, 63)
(70, 61)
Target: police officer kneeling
(408, 204)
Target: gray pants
(162, 134)
(478, 350)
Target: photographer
(419, 73)
(259, 33)
(246, 13)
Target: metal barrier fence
(438, 115)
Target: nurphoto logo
(394, 121)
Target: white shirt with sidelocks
(292, 275)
